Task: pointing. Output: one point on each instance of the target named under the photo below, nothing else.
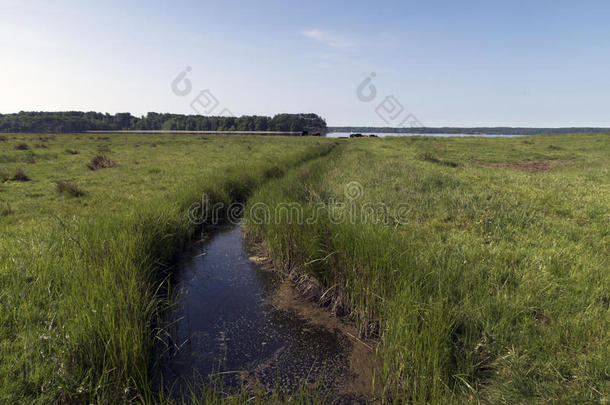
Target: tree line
(78, 121)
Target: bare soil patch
(363, 360)
(304, 296)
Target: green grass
(492, 287)
(83, 253)
(212, 391)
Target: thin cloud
(21, 37)
(329, 38)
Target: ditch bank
(239, 323)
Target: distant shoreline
(470, 130)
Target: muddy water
(227, 325)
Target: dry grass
(5, 209)
(100, 162)
(69, 188)
(19, 175)
(22, 146)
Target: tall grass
(494, 289)
(205, 391)
(79, 293)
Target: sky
(371, 63)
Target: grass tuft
(100, 162)
(5, 209)
(22, 146)
(69, 188)
(19, 175)
(29, 159)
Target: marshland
(489, 285)
(391, 202)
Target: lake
(382, 135)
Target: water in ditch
(226, 327)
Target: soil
(364, 361)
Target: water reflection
(224, 324)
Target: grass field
(82, 251)
(490, 285)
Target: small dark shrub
(72, 151)
(5, 209)
(273, 173)
(100, 162)
(69, 188)
(428, 157)
(19, 175)
(22, 146)
(154, 145)
(3, 138)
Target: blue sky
(459, 63)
